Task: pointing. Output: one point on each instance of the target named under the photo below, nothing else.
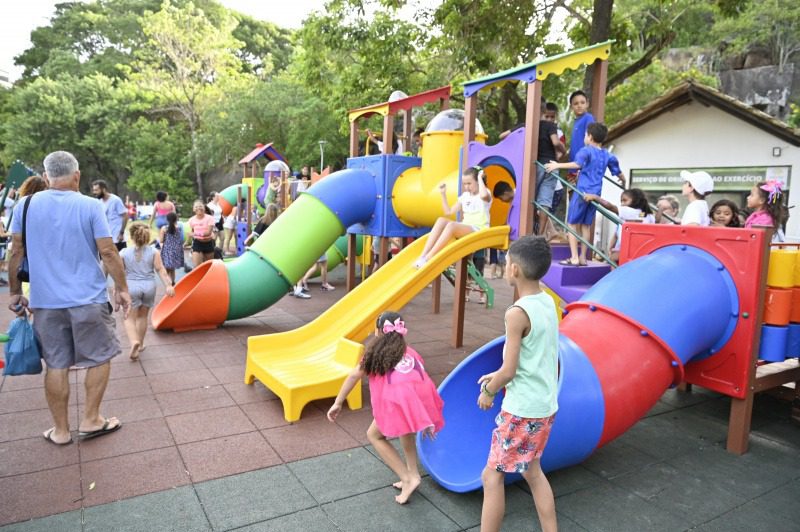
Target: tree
(82, 115)
(645, 86)
(774, 24)
(84, 38)
(282, 111)
(157, 159)
(599, 31)
(351, 61)
(185, 61)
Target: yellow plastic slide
(311, 362)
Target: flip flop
(48, 435)
(567, 262)
(100, 432)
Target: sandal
(48, 435)
(568, 262)
(102, 431)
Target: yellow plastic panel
(311, 362)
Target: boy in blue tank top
(530, 376)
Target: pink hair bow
(398, 326)
(774, 187)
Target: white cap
(701, 181)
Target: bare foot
(135, 351)
(142, 348)
(398, 485)
(407, 489)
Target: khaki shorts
(82, 336)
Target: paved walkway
(202, 451)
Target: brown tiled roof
(691, 90)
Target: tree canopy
(161, 94)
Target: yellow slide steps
(312, 361)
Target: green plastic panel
(255, 284)
(298, 237)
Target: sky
(18, 19)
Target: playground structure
(705, 333)
(608, 381)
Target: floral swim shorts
(517, 441)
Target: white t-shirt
(696, 213)
(629, 214)
(216, 211)
(475, 211)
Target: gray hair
(672, 200)
(60, 164)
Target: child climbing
(403, 396)
(474, 203)
(592, 161)
(529, 374)
(766, 200)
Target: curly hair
(387, 350)
(140, 234)
(775, 209)
(638, 200)
(31, 186)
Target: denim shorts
(545, 187)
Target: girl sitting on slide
(404, 399)
(474, 203)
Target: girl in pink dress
(404, 399)
(766, 200)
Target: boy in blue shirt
(592, 161)
(530, 376)
(579, 104)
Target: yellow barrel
(782, 263)
(797, 272)
(416, 198)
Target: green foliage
(157, 159)
(283, 112)
(86, 38)
(794, 116)
(104, 125)
(645, 86)
(351, 62)
(83, 115)
(773, 24)
(156, 94)
(186, 60)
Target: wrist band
(485, 389)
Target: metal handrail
(616, 184)
(605, 212)
(566, 227)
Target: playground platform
(200, 450)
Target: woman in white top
(473, 203)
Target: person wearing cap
(696, 186)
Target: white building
(695, 127)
